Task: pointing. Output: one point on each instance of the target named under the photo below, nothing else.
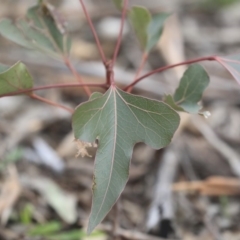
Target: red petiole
(76, 74)
(34, 96)
(65, 85)
(161, 69)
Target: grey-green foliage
(14, 78)
(190, 90)
(148, 28)
(42, 29)
(155, 29)
(140, 19)
(95, 95)
(119, 120)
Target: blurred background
(189, 190)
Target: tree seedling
(117, 119)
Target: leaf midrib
(185, 97)
(113, 152)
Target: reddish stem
(34, 96)
(158, 70)
(99, 46)
(119, 40)
(109, 73)
(76, 74)
(103, 85)
(143, 61)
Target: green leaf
(170, 101)
(43, 30)
(232, 64)
(140, 19)
(155, 29)
(45, 229)
(76, 235)
(15, 78)
(14, 34)
(119, 120)
(191, 87)
(26, 214)
(118, 4)
(95, 95)
(69, 235)
(147, 28)
(45, 18)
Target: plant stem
(158, 70)
(109, 73)
(77, 75)
(102, 85)
(119, 40)
(143, 61)
(34, 96)
(99, 46)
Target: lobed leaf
(232, 64)
(42, 30)
(190, 90)
(14, 79)
(119, 120)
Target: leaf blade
(12, 33)
(119, 120)
(140, 19)
(170, 101)
(15, 78)
(42, 29)
(95, 95)
(155, 29)
(191, 87)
